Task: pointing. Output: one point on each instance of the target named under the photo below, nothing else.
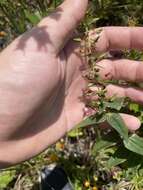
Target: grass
(94, 158)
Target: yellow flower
(60, 146)
(95, 178)
(2, 34)
(94, 188)
(53, 158)
(87, 184)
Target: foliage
(93, 157)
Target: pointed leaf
(92, 120)
(116, 121)
(116, 103)
(112, 162)
(134, 144)
(102, 144)
(119, 157)
(75, 133)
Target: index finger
(117, 38)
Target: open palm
(41, 81)
(40, 85)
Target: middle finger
(121, 69)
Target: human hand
(115, 39)
(41, 85)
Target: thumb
(64, 20)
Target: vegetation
(94, 158)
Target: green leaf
(75, 133)
(119, 157)
(102, 144)
(33, 18)
(123, 155)
(114, 161)
(116, 103)
(134, 107)
(134, 144)
(92, 120)
(87, 122)
(116, 121)
(5, 178)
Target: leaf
(33, 18)
(102, 144)
(123, 155)
(92, 120)
(104, 141)
(134, 144)
(112, 162)
(5, 178)
(134, 107)
(119, 157)
(75, 133)
(116, 103)
(116, 121)
(93, 21)
(87, 122)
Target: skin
(41, 81)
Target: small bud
(94, 188)
(87, 184)
(2, 34)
